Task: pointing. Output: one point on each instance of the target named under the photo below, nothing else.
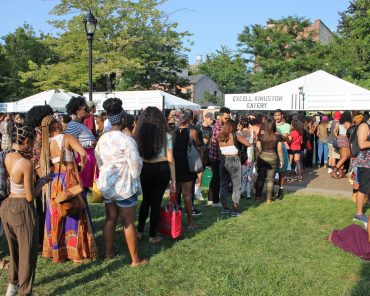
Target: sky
(212, 22)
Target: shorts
(332, 152)
(363, 175)
(342, 141)
(295, 152)
(123, 203)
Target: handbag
(194, 160)
(96, 195)
(69, 200)
(170, 218)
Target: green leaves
(228, 69)
(134, 42)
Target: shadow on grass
(363, 284)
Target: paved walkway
(318, 181)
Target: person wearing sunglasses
(78, 108)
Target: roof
(194, 79)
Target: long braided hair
(46, 124)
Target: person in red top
(295, 139)
(90, 121)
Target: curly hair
(345, 117)
(35, 115)
(150, 133)
(129, 122)
(74, 104)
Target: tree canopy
(135, 44)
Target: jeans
(266, 169)
(154, 180)
(230, 171)
(323, 148)
(214, 186)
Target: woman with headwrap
(120, 165)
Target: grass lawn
(276, 249)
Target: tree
(227, 69)
(135, 46)
(350, 56)
(18, 49)
(281, 51)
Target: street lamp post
(90, 26)
(301, 95)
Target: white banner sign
(262, 102)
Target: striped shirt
(82, 133)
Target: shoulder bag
(194, 159)
(69, 199)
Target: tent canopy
(57, 99)
(138, 100)
(316, 91)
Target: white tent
(57, 99)
(316, 91)
(138, 100)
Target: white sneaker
(12, 290)
(209, 203)
(217, 205)
(199, 197)
(330, 170)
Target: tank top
(16, 188)
(342, 130)
(68, 155)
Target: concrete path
(318, 181)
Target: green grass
(276, 249)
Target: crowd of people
(50, 161)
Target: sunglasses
(85, 108)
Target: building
(202, 90)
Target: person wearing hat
(322, 133)
(333, 155)
(90, 121)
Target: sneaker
(200, 197)
(235, 213)
(217, 205)
(249, 196)
(226, 211)
(330, 170)
(209, 203)
(196, 212)
(12, 290)
(361, 218)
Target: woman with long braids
(33, 118)
(78, 107)
(66, 237)
(120, 165)
(155, 147)
(18, 214)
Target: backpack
(353, 140)
(4, 178)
